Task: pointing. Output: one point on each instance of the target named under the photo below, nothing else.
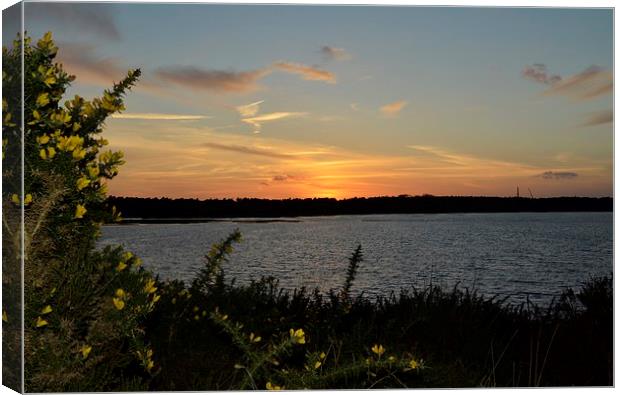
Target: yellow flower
(43, 99)
(43, 139)
(322, 356)
(118, 303)
(82, 183)
(413, 364)
(85, 350)
(43, 154)
(80, 210)
(298, 336)
(76, 126)
(27, 199)
(120, 293)
(157, 297)
(196, 317)
(47, 309)
(254, 338)
(137, 262)
(5, 317)
(93, 171)
(69, 143)
(378, 349)
(272, 387)
(79, 153)
(151, 288)
(127, 256)
(317, 364)
(15, 199)
(149, 365)
(196, 309)
(51, 152)
(121, 266)
(41, 322)
(174, 300)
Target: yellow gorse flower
(298, 336)
(120, 293)
(254, 338)
(5, 317)
(47, 309)
(322, 355)
(27, 199)
(272, 387)
(378, 349)
(85, 350)
(150, 288)
(43, 99)
(317, 364)
(69, 143)
(413, 364)
(82, 183)
(40, 322)
(79, 153)
(118, 303)
(93, 171)
(80, 210)
(121, 266)
(15, 199)
(43, 139)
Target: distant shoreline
(165, 210)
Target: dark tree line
(132, 207)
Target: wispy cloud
(81, 60)
(249, 110)
(538, 73)
(591, 83)
(160, 117)
(221, 81)
(333, 53)
(306, 72)
(83, 17)
(92, 69)
(558, 175)
(599, 118)
(241, 149)
(257, 121)
(394, 108)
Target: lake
(518, 255)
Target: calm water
(516, 254)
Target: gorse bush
(83, 308)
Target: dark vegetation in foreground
(133, 207)
(421, 338)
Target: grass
(464, 339)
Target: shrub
(83, 308)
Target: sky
(275, 101)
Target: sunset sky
(309, 101)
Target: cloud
(283, 177)
(160, 117)
(538, 73)
(333, 53)
(354, 106)
(394, 108)
(249, 110)
(94, 18)
(306, 72)
(591, 83)
(241, 149)
(81, 60)
(599, 118)
(558, 175)
(274, 116)
(220, 81)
